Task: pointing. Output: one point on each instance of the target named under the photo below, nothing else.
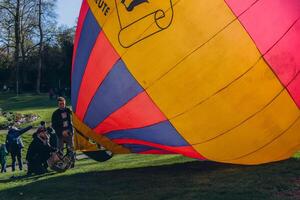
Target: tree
(45, 9)
(35, 54)
(15, 15)
(12, 9)
(38, 84)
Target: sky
(68, 11)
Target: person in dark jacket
(62, 124)
(14, 144)
(39, 151)
(52, 136)
(3, 155)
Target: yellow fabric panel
(100, 139)
(207, 18)
(99, 12)
(254, 133)
(111, 27)
(146, 21)
(139, 12)
(164, 48)
(275, 150)
(82, 144)
(206, 71)
(229, 107)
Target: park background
(36, 45)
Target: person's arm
(5, 151)
(7, 143)
(24, 130)
(56, 123)
(6, 140)
(71, 121)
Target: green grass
(146, 176)
(29, 103)
(2, 119)
(159, 177)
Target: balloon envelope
(216, 80)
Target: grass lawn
(146, 176)
(159, 177)
(29, 103)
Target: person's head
(42, 133)
(43, 123)
(61, 102)
(12, 125)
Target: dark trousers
(3, 167)
(17, 155)
(36, 167)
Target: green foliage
(57, 64)
(3, 122)
(40, 105)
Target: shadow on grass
(192, 180)
(26, 178)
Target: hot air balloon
(216, 80)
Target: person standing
(14, 144)
(62, 124)
(3, 155)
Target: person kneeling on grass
(3, 155)
(39, 151)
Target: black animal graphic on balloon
(133, 4)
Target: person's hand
(65, 133)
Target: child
(14, 144)
(3, 155)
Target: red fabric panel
(186, 150)
(137, 113)
(101, 61)
(239, 6)
(285, 57)
(159, 152)
(267, 20)
(83, 11)
(274, 26)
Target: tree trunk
(17, 45)
(23, 56)
(39, 73)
